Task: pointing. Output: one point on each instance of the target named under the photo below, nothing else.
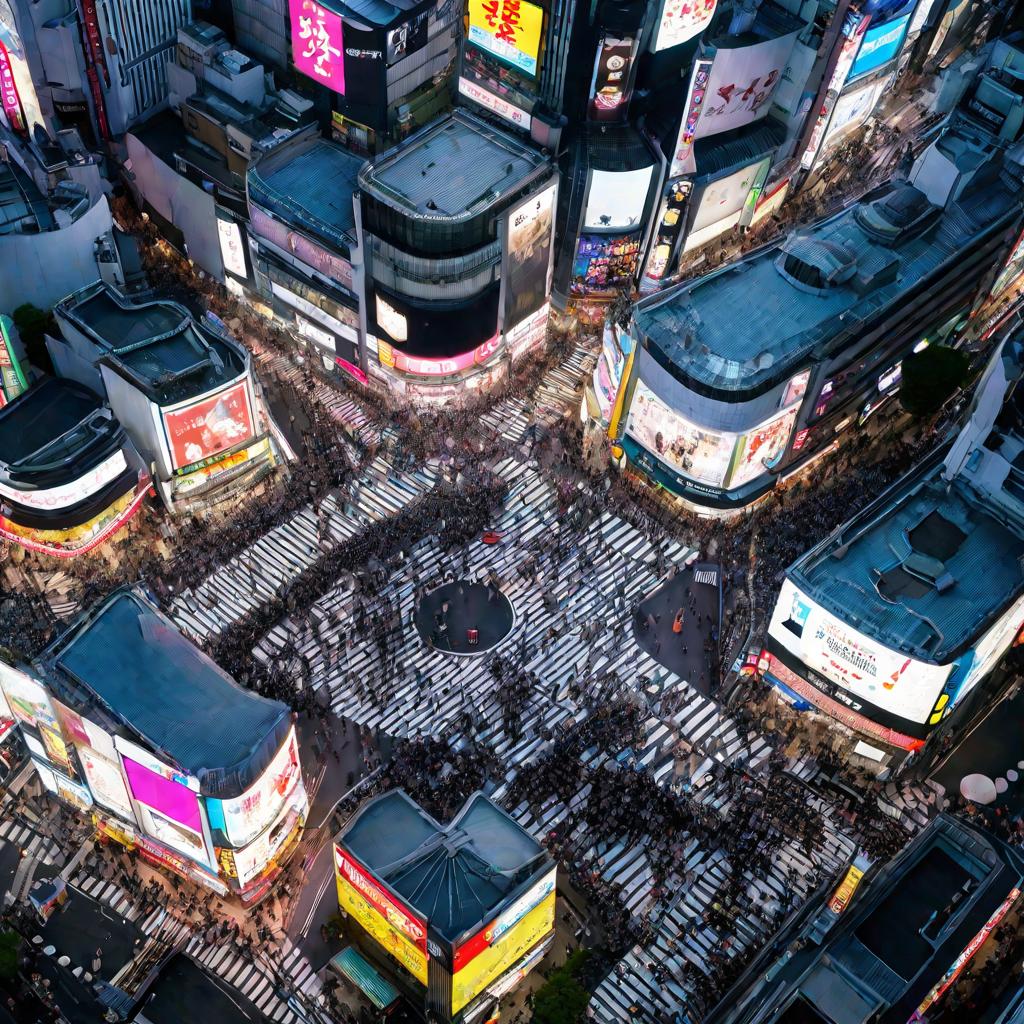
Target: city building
(454, 915)
(456, 231)
(127, 721)
(893, 942)
(184, 390)
(57, 230)
(304, 249)
(891, 622)
(69, 475)
(740, 378)
(187, 166)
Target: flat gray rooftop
(449, 169)
(881, 584)
(745, 325)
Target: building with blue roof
(893, 621)
(469, 906)
(126, 719)
(742, 377)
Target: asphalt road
(184, 992)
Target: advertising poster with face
(761, 450)
(529, 238)
(210, 426)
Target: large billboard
(210, 426)
(17, 90)
(328, 263)
(28, 701)
(529, 240)
(106, 783)
(879, 45)
(742, 83)
(717, 458)
(671, 216)
(398, 930)
(859, 666)
(853, 109)
(248, 815)
(430, 366)
(700, 454)
(604, 263)
(317, 45)
(681, 20)
(610, 86)
(502, 943)
(719, 205)
(616, 199)
(509, 29)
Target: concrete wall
(52, 264)
(187, 206)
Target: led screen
(509, 29)
(681, 20)
(529, 237)
(616, 199)
(209, 426)
(317, 45)
(856, 664)
(881, 43)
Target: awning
(357, 969)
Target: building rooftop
(926, 569)
(51, 421)
(456, 876)
(714, 334)
(142, 669)
(381, 13)
(454, 169)
(310, 185)
(157, 344)
(879, 958)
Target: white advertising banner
(681, 20)
(514, 115)
(249, 814)
(231, 249)
(722, 199)
(106, 783)
(742, 83)
(853, 109)
(761, 449)
(616, 199)
(862, 667)
(66, 495)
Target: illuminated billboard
(610, 364)
(106, 783)
(879, 45)
(508, 29)
(670, 222)
(742, 83)
(616, 199)
(298, 245)
(317, 45)
(761, 449)
(395, 927)
(719, 204)
(66, 495)
(210, 426)
(28, 701)
(232, 252)
(700, 454)
(529, 241)
(502, 943)
(683, 161)
(427, 366)
(681, 20)
(18, 99)
(604, 263)
(856, 664)
(609, 88)
(248, 815)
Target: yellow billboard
(493, 959)
(510, 29)
(393, 925)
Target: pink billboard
(9, 92)
(316, 43)
(170, 798)
(300, 247)
(427, 367)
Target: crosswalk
(33, 844)
(573, 630)
(262, 980)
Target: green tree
(930, 377)
(10, 943)
(562, 999)
(33, 325)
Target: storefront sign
(425, 367)
(514, 115)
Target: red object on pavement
(490, 537)
(472, 635)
